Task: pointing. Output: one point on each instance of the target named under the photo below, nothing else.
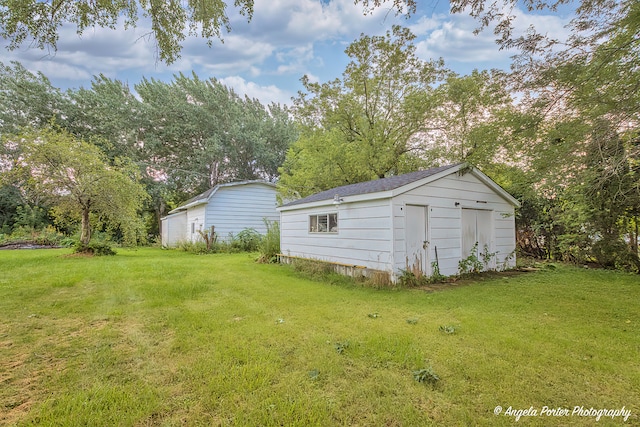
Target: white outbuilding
(416, 222)
(230, 208)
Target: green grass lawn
(153, 337)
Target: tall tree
(28, 99)
(10, 202)
(373, 118)
(185, 136)
(611, 195)
(477, 121)
(79, 180)
(109, 114)
(200, 133)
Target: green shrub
(94, 247)
(612, 253)
(470, 264)
(22, 234)
(269, 246)
(426, 375)
(67, 242)
(248, 240)
(198, 247)
(408, 279)
(47, 236)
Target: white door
(477, 226)
(417, 244)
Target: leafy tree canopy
(27, 99)
(199, 133)
(185, 135)
(368, 124)
(77, 178)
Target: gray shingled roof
(201, 196)
(375, 186)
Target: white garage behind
(417, 222)
(230, 208)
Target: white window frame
(322, 223)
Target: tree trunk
(85, 232)
(159, 211)
(634, 237)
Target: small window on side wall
(323, 223)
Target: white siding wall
(444, 222)
(372, 233)
(195, 222)
(174, 229)
(364, 236)
(232, 209)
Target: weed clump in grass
(447, 329)
(197, 247)
(312, 269)
(409, 279)
(326, 272)
(426, 375)
(341, 346)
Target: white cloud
(302, 21)
(452, 38)
(237, 54)
(279, 40)
(285, 40)
(266, 94)
(294, 61)
(96, 51)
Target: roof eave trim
(346, 199)
(495, 187)
(170, 214)
(190, 205)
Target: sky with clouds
(285, 40)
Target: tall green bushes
(270, 244)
